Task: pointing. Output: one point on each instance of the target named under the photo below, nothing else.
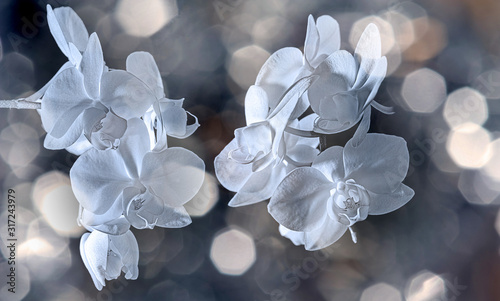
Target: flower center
(348, 203)
(137, 203)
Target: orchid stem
(302, 133)
(20, 104)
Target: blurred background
(443, 80)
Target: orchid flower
(316, 205)
(166, 117)
(106, 256)
(149, 188)
(347, 84)
(92, 102)
(261, 153)
(287, 65)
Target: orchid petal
(379, 163)
(329, 37)
(69, 138)
(296, 237)
(279, 72)
(260, 186)
(331, 163)
(231, 174)
(125, 94)
(299, 202)
(337, 73)
(98, 281)
(303, 154)
(98, 178)
(143, 65)
(311, 45)
(383, 109)
(66, 92)
(369, 45)
(374, 80)
(126, 245)
(174, 175)
(256, 105)
(362, 129)
(92, 66)
(67, 27)
(134, 145)
(385, 203)
(96, 250)
(328, 233)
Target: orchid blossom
(316, 205)
(106, 256)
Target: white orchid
(256, 160)
(166, 117)
(148, 188)
(347, 84)
(89, 101)
(106, 256)
(316, 205)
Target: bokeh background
(443, 80)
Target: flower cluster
(315, 194)
(117, 121)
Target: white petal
(75, 57)
(374, 80)
(97, 281)
(72, 134)
(111, 222)
(329, 37)
(379, 163)
(331, 163)
(126, 246)
(92, 66)
(56, 31)
(96, 251)
(259, 187)
(72, 27)
(311, 44)
(174, 175)
(80, 146)
(296, 237)
(279, 72)
(385, 203)
(303, 154)
(174, 217)
(299, 202)
(134, 144)
(256, 105)
(66, 92)
(125, 94)
(337, 73)
(143, 65)
(369, 45)
(173, 118)
(231, 174)
(362, 129)
(328, 233)
(98, 178)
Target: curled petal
(105, 129)
(126, 246)
(230, 173)
(97, 278)
(379, 163)
(299, 202)
(174, 175)
(385, 203)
